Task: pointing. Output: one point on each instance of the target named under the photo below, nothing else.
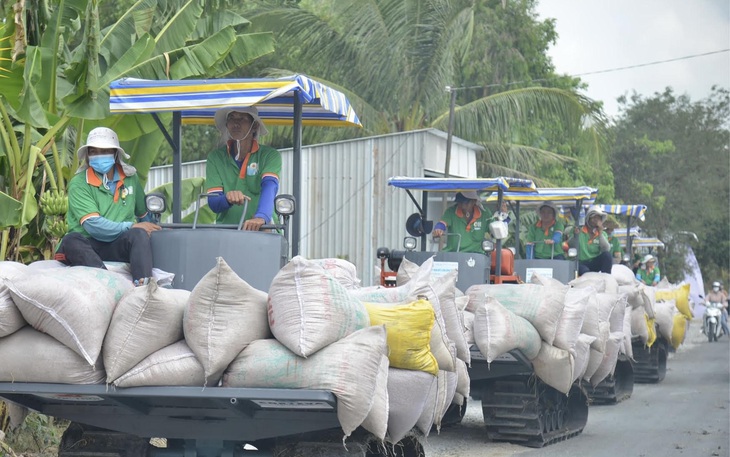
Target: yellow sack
(680, 295)
(652, 331)
(408, 330)
(679, 330)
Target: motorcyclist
(717, 295)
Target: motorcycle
(711, 321)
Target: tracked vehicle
(517, 406)
(211, 421)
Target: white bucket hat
(102, 138)
(648, 258)
(221, 118)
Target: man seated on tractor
(616, 252)
(241, 168)
(649, 273)
(467, 218)
(592, 243)
(107, 216)
(546, 235)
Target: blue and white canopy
(559, 196)
(620, 232)
(198, 100)
(462, 184)
(625, 210)
(650, 242)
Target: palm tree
(395, 58)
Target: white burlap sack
(376, 422)
(581, 355)
(544, 280)
(591, 323)
(224, 313)
(40, 265)
(608, 364)
(462, 378)
(594, 360)
(606, 304)
(497, 330)
(72, 304)
(343, 271)
(648, 296)
(616, 320)
(555, 367)
(31, 356)
(571, 319)
(379, 294)
(602, 282)
(665, 311)
(407, 270)
(11, 319)
(638, 324)
(540, 305)
(623, 275)
(604, 334)
(146, 319)
(469, 327)
(626, 347)
(174, 365)
(633, 294)
(438, 402)
(441, 292)
(348, 368)
(309, 309)
(408, 391)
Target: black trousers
(132, 246)
(602, 263)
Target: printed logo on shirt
(478, 225)
(130, 190)
(252, 169)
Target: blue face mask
(102, 163)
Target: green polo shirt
(588, 245)
(222, 174)
(472, 231)
(88, 197)
(647, 277)
(536, 234)
(615, 245)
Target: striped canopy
(625, 210)
(198, 100)
(642, 242)
(461, 184)
(559, 196)
(620, 232)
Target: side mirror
(416, 226)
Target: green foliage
(38, 435)
(675, 155)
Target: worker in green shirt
(593, 246)
(617, 252)
(107, 216)
(469, 220)
(546, 235)
(648, 272)
(242, 169)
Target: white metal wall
(347, 209)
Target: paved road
(687, 415)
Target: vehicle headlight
(487, 246)
(285, 205)
(155, 202)
(572, 253)
(409, 243)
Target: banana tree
(56, 89)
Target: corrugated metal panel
(348, 209)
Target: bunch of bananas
(55, 226)
(54, 203)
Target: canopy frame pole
(629, 251)
(297, 170)
(517, 228)
(498, 261)
(176, 165)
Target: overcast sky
(597, 35)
